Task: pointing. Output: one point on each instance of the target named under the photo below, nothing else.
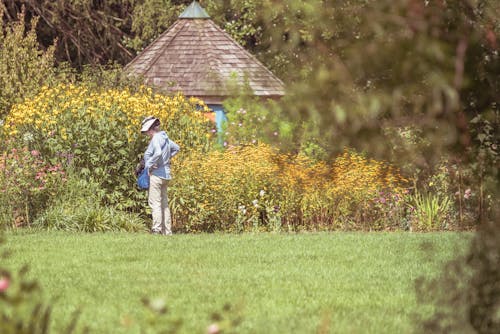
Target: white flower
(262, 193)
(255, 202)
(28, 136)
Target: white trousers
(158, 201)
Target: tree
(88, 31)
(23, 67)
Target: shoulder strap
(168, 150)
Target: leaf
(476, 119)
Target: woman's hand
(152, 167)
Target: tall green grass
(346, 282)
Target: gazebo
(196, 57)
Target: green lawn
(355, 282)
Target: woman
(157, 161)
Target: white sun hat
(147, 123)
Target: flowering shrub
(97, 132)
(209, 188)
(361, 185)
(54, 109)
(26, 182)
(249, 188)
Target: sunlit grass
(350, 282)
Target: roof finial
(194, 11)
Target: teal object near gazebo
(194, 11)
(197, 58)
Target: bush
(23, 67)
(430, 211)
(27, 181)
(97, 132)
(78, 207)
(209, 189)
(249, 188)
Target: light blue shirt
(158, 154)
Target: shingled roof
(196, 57)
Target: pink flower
(35, 153)
(4, 284)
(213, 329)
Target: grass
(349, 282)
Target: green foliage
(432, 211)
(24, 68)
(78, 207)
(21, 308)
(239, 18)
(149, 19)
(252, 120)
